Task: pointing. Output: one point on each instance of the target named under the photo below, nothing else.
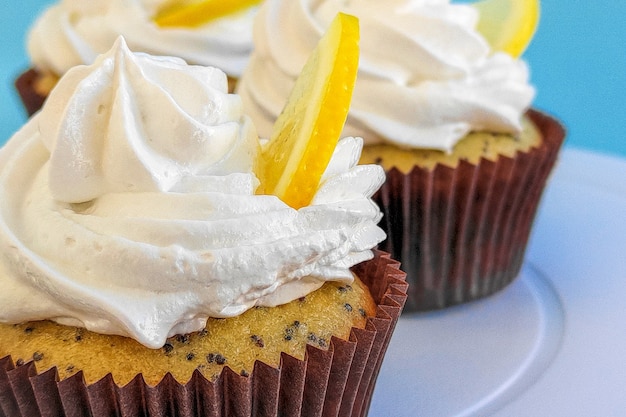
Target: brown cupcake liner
(461, 234)
(25, 86)
(334, 382)
(232, 83)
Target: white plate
(551, 344)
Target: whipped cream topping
(74, 32)
(426, 76)
(127, 206)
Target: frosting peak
(139, 123)
(127, 206)
(426, 76)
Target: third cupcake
(69, 33)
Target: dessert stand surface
(553, 342)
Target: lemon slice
(191, 13)
(508, 25)
(307, 130)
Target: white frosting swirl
(127, 206)
(74, 32)
(426, 77)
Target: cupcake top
(74, 32)
(129, 206)
(426, 76)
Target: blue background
(577, 59)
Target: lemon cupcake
(69, 33)
(445, 114)
(142, 275)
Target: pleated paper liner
(25, 86)
(334, 382)
(460, 234)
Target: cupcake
(142, 275)
(446, 116)
(73, 33)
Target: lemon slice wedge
(307, 131)
(192, 13)
(508, 25)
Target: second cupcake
(446, 116)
